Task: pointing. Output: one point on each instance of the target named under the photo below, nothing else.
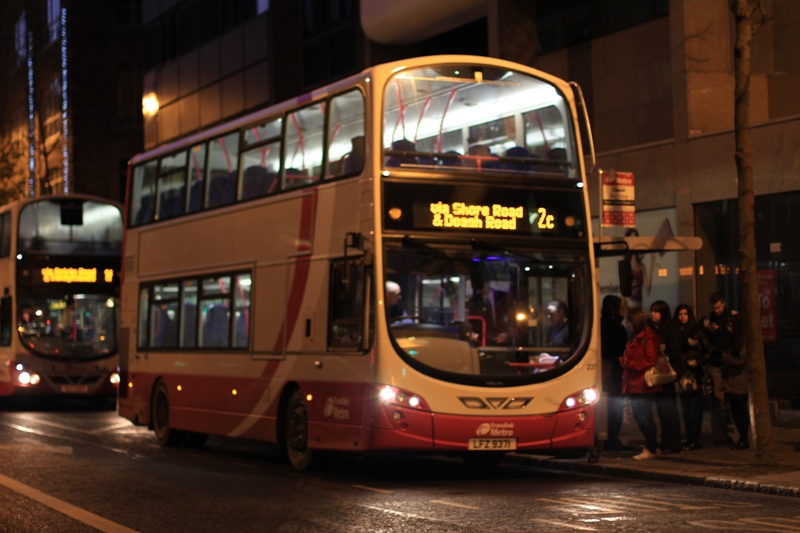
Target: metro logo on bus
(461, 215)
(336, 407)
(493, 429)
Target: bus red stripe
(299, 281)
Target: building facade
(657, 76)
(70, 116)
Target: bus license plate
(492, 444)
(74, 389)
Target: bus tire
(296, 432)
(159, 417)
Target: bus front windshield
(72, 326)
(468, 315)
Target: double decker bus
(401, 260)
(59, 272)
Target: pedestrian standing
(641, 353)
(694, 348)
(613, 337)
(667, 400)
(728, 356)
(722, 326)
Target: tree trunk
(756, 365)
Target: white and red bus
(59, 270)
(258, 256)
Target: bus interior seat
(146, 210)
(189, 325)
(222, 190)
(257, 181)
(196, 196)
(241, 331)
(163, 330)
(170, 204)
(215, 327)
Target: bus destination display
(542, 213)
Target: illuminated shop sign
(75, 275)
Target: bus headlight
(114, 378)
(580, 399)
(24, 378)
(395, 396)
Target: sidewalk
(711, 466)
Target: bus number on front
(546, 221)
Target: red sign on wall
(766, 303)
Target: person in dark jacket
(641, 353)
(693, 355)
(728, 356)
(667, 402)
(613, 338)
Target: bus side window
(223, 160)
(346, 135)
(143, 205)
(5, 320)
(304, 149)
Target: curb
(666, 477)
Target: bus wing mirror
(625, 278)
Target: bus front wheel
(159, 417)
(296, 432)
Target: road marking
(660, 503)
(65, 450)
(391, 511)
(126, 424)
(745, 524)
(42, 434)
(364, 487)
(442, 502)
(55, 425)
(714, 503)
(578, 503)
(794, 525)
(563, 524)
(81, 515)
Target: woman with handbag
(641, 353)
(693, 356)
(667, 401)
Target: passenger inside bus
(257, 181)
(488, 311)
(395, 310)
(401, 156)
(354, 161)
(519, 164)
(480, 157)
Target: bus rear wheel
(159, 417)
(296, 432)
